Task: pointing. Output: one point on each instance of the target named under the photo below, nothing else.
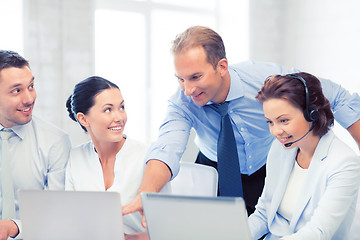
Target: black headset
(311, 114)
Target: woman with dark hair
(110, 161)
(312, 177)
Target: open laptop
(60, 215)
(184, 217)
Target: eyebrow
(282, 115)
(189, 75)
(19, 84)
(277, 117)
(110, 104)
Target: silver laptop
(183, 217)
(59, 215)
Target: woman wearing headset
(312, 176)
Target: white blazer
(326, 203)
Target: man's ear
(82, 119)
(222, 67)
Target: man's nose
(28, 97)
(189, 88)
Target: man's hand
(8, 228)
(135, 205)
(156, 175)
(137, 236)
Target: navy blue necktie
(228, 161)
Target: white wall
(318, 36)
(60, 44)
(58, 41)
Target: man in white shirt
(38, 151)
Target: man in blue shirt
(205, 78)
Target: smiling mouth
(25, 110)
(115, 128)
(197, 96)
(284, 139)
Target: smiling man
(206, 82)
(38, 151)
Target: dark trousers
(252, 184)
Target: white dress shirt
(39, 153)
(84, 173)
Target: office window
(120, 56)
(132, 49)
(203, 4)
(11, 25)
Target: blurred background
(128, 42)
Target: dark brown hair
(10, 59)
(292, 89)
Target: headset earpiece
(311, 115)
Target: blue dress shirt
(250, 128)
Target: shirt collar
(19, 130)
(236, 89)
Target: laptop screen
(70, 215)
(184, 217)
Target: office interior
(128, 42)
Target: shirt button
(241, 129)
(250, 167)
(248, 144)
(231, 111)
(249, 156)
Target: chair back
(193, 180)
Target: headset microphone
(291, 143)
